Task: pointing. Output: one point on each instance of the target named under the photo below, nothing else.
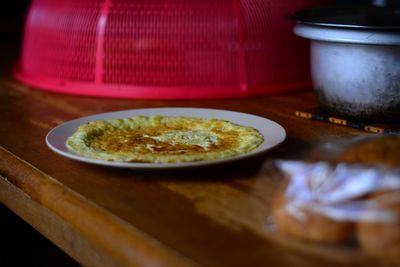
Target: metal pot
(355, 68)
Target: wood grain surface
(214, 216)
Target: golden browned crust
(160, 139)
(383, 150)
(309, 225)
(382, 239)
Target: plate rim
(281, 137)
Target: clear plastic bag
(346, 192)
(337, 191)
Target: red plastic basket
(164, 48)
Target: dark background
(20, 244)
(12, 14)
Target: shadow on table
(21, 245)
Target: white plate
(273, 134)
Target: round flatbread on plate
(165, 137)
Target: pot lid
(368, 17)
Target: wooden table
(114, 217)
